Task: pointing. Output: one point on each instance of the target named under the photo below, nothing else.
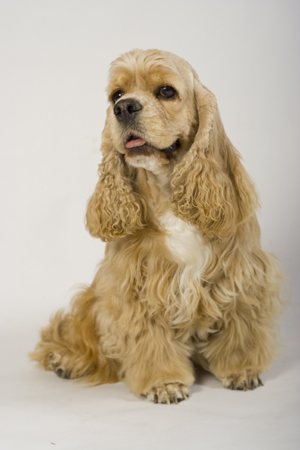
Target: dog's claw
(242, 381)
(167, 393)
(260, 382)
(59, 372)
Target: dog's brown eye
(166, 92)
(116, 96)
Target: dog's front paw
(168, 393)
(242, 381)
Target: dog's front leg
(158, 365)
(243, 347)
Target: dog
(184, 281)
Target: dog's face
(152, 115)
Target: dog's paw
(168, 393)
(242, 381)
(56, 363)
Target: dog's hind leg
(70, 344)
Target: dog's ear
(211, 189)
(114, 210)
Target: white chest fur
(185, 243)
(188, 249)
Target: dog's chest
(184, 242)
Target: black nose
(125, 110)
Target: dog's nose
(125, 110)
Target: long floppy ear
(211, 188)
(114, 210)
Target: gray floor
(38, 410)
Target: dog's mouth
(137, 145)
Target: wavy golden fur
(184, 280)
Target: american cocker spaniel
(184, 280)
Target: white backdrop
(54, 61)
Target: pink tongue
(135, 143)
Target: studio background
(55, 57)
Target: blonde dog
(184, 280)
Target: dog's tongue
(135, 143)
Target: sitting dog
(184, 280)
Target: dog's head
(153, 116)
(161, 117)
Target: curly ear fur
(114, 210)
(211, 188)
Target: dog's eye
(166, 92)
(116, 96)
